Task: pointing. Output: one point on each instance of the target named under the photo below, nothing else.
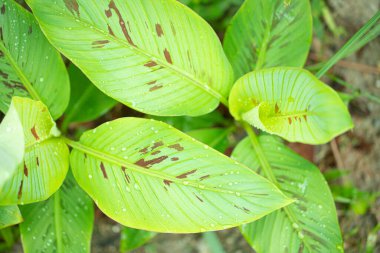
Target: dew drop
(137, 187)
(238, 194)
(185, 182)
(89, 176)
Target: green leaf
(146, 175)
(308, 225)
(266, 34)
(291, 103)
(9, 215)
(63, 223)
(29, 65)
(157, 57)
(46, 157)
(86, 102)
(133, 238)
(217, 138)
(11, 144)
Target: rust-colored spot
(103, 170)
(177, 147)
(150, 64)
(156, 87)
(110, 31)
(152, 82)
(25, 170)
(174, 159)
(290, 120)
(30, 30)
(72, 6)
(167, 182)
(34, 132)
(199, 198)
(144, 150)
(157, 145)
(126, 175)
(99, 43)
(112, 5)
(184, 175)
(3, 9)
(276, 108)
(305, 117)
(204, 177)
(159, 30)
(167, 56)
(147, 164)
(156, 152)
(19, 195)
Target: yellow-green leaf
(9, 215)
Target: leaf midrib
(28, 86)
(135, 168)
(157, 59)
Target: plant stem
(348, 46)
(213, 242)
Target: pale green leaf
(63, 223)
(11, 144)
(308, 225)
(266, 34)
(29, 65)
(133, 238)
(157, 57)
(146, 175)
(86, 101)
(46, 157)
(291, 103)
(217, 138)
(9, 215)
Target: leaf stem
(347, 48)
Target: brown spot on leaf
(177, 147)
(144, 150)
(34, 132)
(110, 31)
(147, 164)
(150, 64)
(276, 108)
(25, 170)
(199, 198)
(3, 9)
(99, 43)
(152, 82)
(37, 161)
(204, 177)
(167, 182)
(305, 117)
(159, 30)
(174, 159)
(173, 29)
(126, 175)
(184, 175)
(156, 152)
(157, 144)
(103, 170)
(167, 56)
(19, 195)
(290, 120)
(112, 5)
(243, 209)
(156, 87)
(72, 6)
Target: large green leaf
(147, 175)
(267, 34)
(291, 103)
(134, 238)
(157, 57)
(86, 101)
(29, 65)
(308, 225)
(63, 223)
(46, 157)
(11, 144)
(9, 215)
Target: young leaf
(291, 103)
(46, 157)
(29, 65)
(308, 225)
(63, 223)
(9, 215)
(86, 102)
(266, 34)
(133, 238)
(11, 144)
(147, 175)
(157, 57)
